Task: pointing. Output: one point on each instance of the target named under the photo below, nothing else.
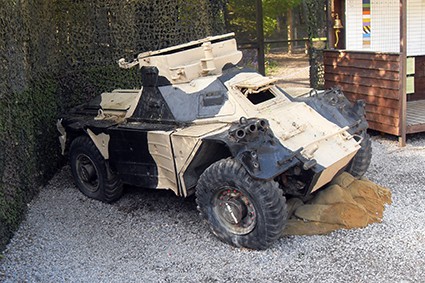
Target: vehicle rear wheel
(361, 161)
(240, 210)
(91, 171)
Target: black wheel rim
(87, 173)
(234, 210)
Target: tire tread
(112, 188)
(269, 196)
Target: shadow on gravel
(137, 199)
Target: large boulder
(345, 203)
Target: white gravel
(153, 236)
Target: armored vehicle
(202, 125)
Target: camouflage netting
(56, 54)
(315, 11)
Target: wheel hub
(235, 211)
(87, 173)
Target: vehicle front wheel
(240, 210)
(91, 171)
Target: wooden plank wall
(373, 77)
(419, 78)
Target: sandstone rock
(292, 204)
(331, 195)
(348, 215)
(344, 180)
(345, 204)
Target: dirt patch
(345, 204)
(291, 69)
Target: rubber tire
(361, 161)
(110, 186)
(267, 198)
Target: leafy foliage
(242, 16)
(276, 8)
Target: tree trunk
(289, 29)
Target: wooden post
(403, 72)
(260, 38)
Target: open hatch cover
(256, 84)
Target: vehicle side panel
(189, 159)
(159, 146)
(130, 157)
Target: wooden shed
(377, 53)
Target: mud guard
(73, 128)
(335, 107)
(253, 144)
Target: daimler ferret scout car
(202, 125)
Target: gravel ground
(153, 236)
